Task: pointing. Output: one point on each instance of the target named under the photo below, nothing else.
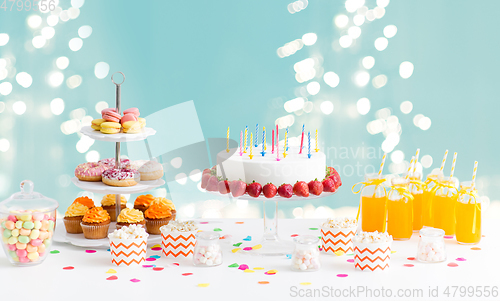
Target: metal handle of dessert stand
(118, 202)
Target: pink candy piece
(38, 216)
(36, 242)
(108, 110)
(12, 218)
(21, 253)
(111, 116)
(24, 259)
(46, 217)
(128, 117)
(12, 247)
(134, 111)
(41, 254)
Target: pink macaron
(128, 117)
(134, 111)
(108, 110)
(111, 116)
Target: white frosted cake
(266, 169)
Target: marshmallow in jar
(207, 251)
(431, 245)
(305, 257)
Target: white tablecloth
(87, 281)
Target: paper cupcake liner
(337, 239)
(370, 257)
(73, 225)
(127, 252)
(153, 226)
(175, 244)
(95, 231)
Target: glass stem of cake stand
(270, 220)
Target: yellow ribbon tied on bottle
(472, 194)
(376, 182)
(440, 185)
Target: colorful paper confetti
(411, 258)
(256, 247)
(90, 251)
(475, 248)
(249, 271)
(408, 265)
(155, 256)
(109, 250)
(392, 252)
(235, 250)
(69, 268)
(112, 278)
(173, 265)
(460, 259)
(350, 260)
(289, 256)
(156, 249)
(148, 265)
(239, 223)
(263, 282)
(243, 267)
(271, 272)
(339, 253)
(158, 268)
(217, 229)
(150, 259)
(54, 252)
(234, 265)
(350, 254)
(203, 223)
(294, 235)
(448, 236)
(305, 283)
(258, 268)
(135, 280)
(237, 245)
(156, 246)
(111, 271)
(203, 284)
(248, 238)
(342, 275)
(247, 249)
(313, 228)
(187, 274)
(452, 264)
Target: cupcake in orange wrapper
(74, 216)
(143, 202)
(108, 203)
(85, 201)
(129, 217)
(95, 223)
(157, 215)
(168, 203)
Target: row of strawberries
(331, 183)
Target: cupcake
(74, 215)
(95, 223)
(168, 203)
(143, 202)
(129, 217)
(109, 204)
(157, 215)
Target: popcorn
(372, 237)
(130, 232)
(340, 222)
(186, 226)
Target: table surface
(87, 281)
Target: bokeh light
(361, 78)
(354, 32)
(397, 156)
(368, 62)
(34, 21)
(326, 107)
(74, 81)
(341, 21)
(390, 31)
(75, 44)
(381, 43)
(345, 41)
(426, 161)
(406, 107)
(363, 106)
(5, 88)
(85, 31)
(19, 107)
(92, 156)
(309, 38)
(52, 20)
(101, 70)
(38, 42)
(57, 106)
(406, 69)
(331, 78)
(56, 78)
(294, 104)
(24, 79)
(101, 105)
(379, 81)
(313, 88)
(62, 62)
(4, 145)
(48, 32)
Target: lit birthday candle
(246, 138)
(251, 148)
(302, 140)
(309, 142)
(263, 141)
(227, 141)
(316, 139)
(277, 144)
(272, 151)
(256, 135)
(286, 146)
(241, 143)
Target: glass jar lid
(28, 200)
(306, 239)
(207, 235)
(432, 232)
(399, 181)
(372, 176)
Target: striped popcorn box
(337, 239)
(128, 252)
(177, 243)
(370, 257)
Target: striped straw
(416, 160)
(444, 160)
(453, 164)
(474, 176)
(382, 165)
(410, 167)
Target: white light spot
(48, 32)
(426, 161)
(4, 145)
(383, 113)
(101, 105)
(52, 20)
(406, 107)
(382, 3)
(354, 32)
(331, 79)
(57, 106)
(19, 107)
(397, 156)
(381, 43)
(352, 5)
(285, 121)
(358, 20)
(69, 127)
(416, 119)
(92, 156)
(85, 31)
(38, 41)
(4, 39)
(56, 78)
(309, 39)
(75, 44)
(62, 62)
(424, 123)
(64, 16)
(326, 107)
(406, 69)
(313, 88)
(345, 41)
(77, 113)
(73, 12)
(181, 178)
(368, 62)
(363, 106)
(341, 21)
(74, 81)
(77, 3)
(308, 106)
(390, 31)
(195, 175)
(379, 81)
(176, 162)
(361, 78)
(24, 79)
(84, 144)
(379, 12)
(5, 88)
(294, 104)
(298, 212)
(34, 21)
(370, 15)
(101, 70)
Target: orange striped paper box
(370, 257)
(128, 252)
(337, 239)
(177, 244)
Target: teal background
(222, 55)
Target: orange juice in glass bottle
(416, 187)
(373, 204)
(400, 210)
(468, 215)
(443, 203)
(430, 182)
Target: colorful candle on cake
(302, 140)
(256, 135)
(263, 141)
(272, 151)
(316, 138)
(277, 144)
(286, 146)
(241, 143)
(227, 141)
(309, 142)
(246, 138)
(251, 148)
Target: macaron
(110, 127)
(108, 110)
(96, 124)
(132, 127)
(134, 111)
(142, 121)
(128, 117)
(112, 116)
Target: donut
(110, 162)
(151, 170)
(134, 111)
(112, 116)
(120, 177)
(91, 171)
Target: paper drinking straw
(474, 176)
(453, 164)
(416, 160)
(444, 160)
(382, 165)
(410, 167)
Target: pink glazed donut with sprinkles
(110, 162)
(121, 177)
(91, 171)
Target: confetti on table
(294, 235)
(203, 223)
(150, 259)
(227, 236)
(313, 228)
(237, 245)
(460, 259)
(448, 236)
(148, 265)
(256, 247)
(156, 246)
(452, 264)
(173, 265)
(109, 250)
(263, 282)
(54, 252)
(156, 249)
(135, 280)
(411, 258)
(475, 248)
(239, 223)
(271, 272)
(258, 268)
(339, 253)
(235, 250)
(408, 265)
(203, 284)
(217, 229)
(90, 251)
(342, 275)
(350, 254)
(111, 271)
(112, 278)
(234, 265)
(248, 238)
(158, 268)
(249, 271)
(176, 264)
(187, 274)
(350, 260)
(289, 256)
(483, 235)
(305, 283)
(392, 252)
(69, 268)
(247, 249)
(155, 256)
(243, 267)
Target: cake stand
(101, 188)
(272, 244)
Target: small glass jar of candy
(431, 246)
(305, 257)
(207, 251)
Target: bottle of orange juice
(443, 202)
(373, 204)
(416, 187)
(468, 215)
(400, 210)
(429, 184)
